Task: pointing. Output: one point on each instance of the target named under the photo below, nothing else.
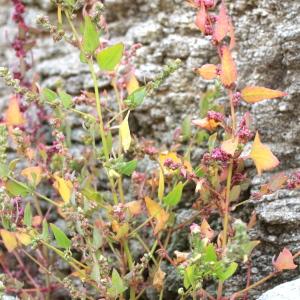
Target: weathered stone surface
(286, 291)
(268, 54)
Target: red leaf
(222, 24)
(228, 68)
(201, 18)
(284, 261)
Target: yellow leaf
(208, 71)
(33, 174)
(125, 133)
(14, 116)
(23, 238)
(158, 279)
(9, 240)
(158, 213)
(228, 68)
(230, 146)
(132, 84)
(262, 156)
(64, 187)
(253, 94)
(206, 230)
(134, 207)
(161, 185)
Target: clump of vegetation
(101, 218)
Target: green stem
(130, 265)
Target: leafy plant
(98, 216)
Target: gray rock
(286, 291)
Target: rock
(286, 291)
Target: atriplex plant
(101, 225)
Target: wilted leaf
(64, 187)
(161, 185)
(134, 207)
(13, 115)
(232, 35)
(285, 261)
(228, 68)
(206, 231)
(60, 237)
(33, 174)
(253, 94)
(90, 36)
(235, 193)
(125, 133)
(222, 24)
(132, 84)
(230, 146)
(201, 18)
(158, 213)
(208, 71)
(110, 57)
(262, 156)
(158, 279)
(9, 240)
(208, 124)
(23, 237)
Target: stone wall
(268, 54)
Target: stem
(225, 221)
(130, 265)
(59, 16)
(232, 110)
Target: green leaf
(136, 98)
(110, 57)
(189, 276)
(235, 193)
(90, 36)
(95, 274)
(117, 285)
(27, 215)
(60, 237)
(49, 95)
(4, 170)
(174, 196)
(97, 239)
(210, 254)
(83, 58)
(45, 232)
(186, 129)
(228, 272)
(211, 141)
(16, 188)
(69, 2)
(66, 99)
(126, 168)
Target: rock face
(268, 54)
(286, 291)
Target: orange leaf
(208, 71)
(222, 24)
(232, 35)
(284, 261)
(33, 174)
(228, 68)
(262, 156)
(13, 116)
(158, 213)
(158, 279)
(9, 240)
(201, 18)
(253, 94)
(206, 230)
(208, 124)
